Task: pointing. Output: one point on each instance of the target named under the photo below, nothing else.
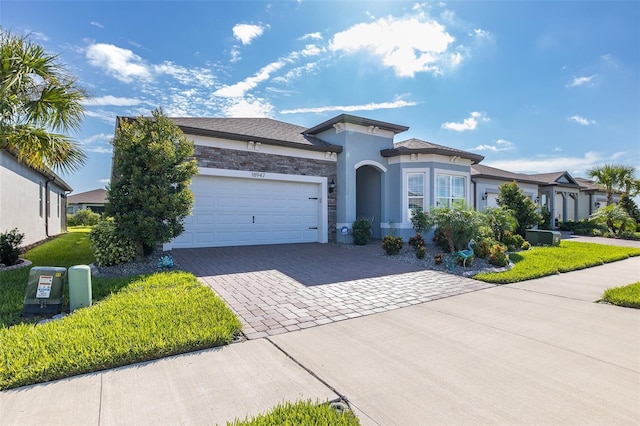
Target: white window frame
(451, 174)
(406, 212)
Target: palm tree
(37, 101)
(612, 177)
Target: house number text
(257, 174)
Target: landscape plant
(361, 231)
(149, 197)
(456, 226)
(614, 177)
(110, 248)
(84, 217)
(501, 221)
(10, 247)
(38, 101)
(615, 218)
(420, 221)
(524, 210)
(392, 244)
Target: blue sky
(535, 87)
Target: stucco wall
(213, 157)
(20, 205)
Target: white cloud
(111, 100)
(246, 33)
(100, 137)
(97, 24)
(235, 54)
(104, 180)
(36, 35)
(351, 108)
(248, 108)
(122, 64)
(103, 115)
(480, 34)
(100, 150)
(500, 145)
(187, 76)
(581, 81)
(297, 72)
(408, 45)
(581, 120)
(312, 36)
(470, 123)
(239, 89)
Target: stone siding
(268, 163)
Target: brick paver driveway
(280, 288)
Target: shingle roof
(96, 196)
(354, 119)
(480, 170)
(589, 185)
(264, 130)
(552, 178)
(417, 146)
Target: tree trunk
(139, 251)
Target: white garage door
(231, 211)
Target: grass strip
(569, 256)
(153, 316)
(628, 295)
(301, 413)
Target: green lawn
(569, 256)
(133, 319)
(302, 413)
(628, 295)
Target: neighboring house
(91, 200)
(31, 200)
(592, 196)
(487, 181)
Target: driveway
(281, 288)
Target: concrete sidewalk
(535, 352)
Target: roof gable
(556, 178)
(417, 146)
(353, 119)
(482, 171)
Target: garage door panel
(236, 211)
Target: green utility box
(45, 289)
(79, 287)
(543, 237)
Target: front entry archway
(369, 197)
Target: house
(264, 181)
(91, 200)
(34, 201)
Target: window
(450, 191)
(415, 192)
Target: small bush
(420, 252)
(110, 249)
(416, 241)
(498, 255)
(512, 241)
(392, 245)
(481, 248)
(9, 247)
(361, 232)
(83, 218)
(420, 221)
(526, 245)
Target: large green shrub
(110, 248)
(10, 247)
(83, 218)
(523, 209)
(153, 163)
(361, 232)
(615, 218)
(501, 221)
(421, 221)
(456, 226)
